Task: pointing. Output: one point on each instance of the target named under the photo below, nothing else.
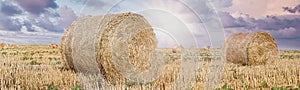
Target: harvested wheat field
(41, 67)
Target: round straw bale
(251, 48)
(66, 50)
(100, 44)
(13, 46)
(53, 45)
(2, 45)
(177, 49)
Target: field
(40, 67)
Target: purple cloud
(268, 23)
(67, 16)
(37, 7)
(222, 3)
(292, 10)
(279, 22)
(288, 32)
(284, 28)
(231, 22)
(9, 9)
(56, 19)
(10, 24)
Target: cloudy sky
(183, 21)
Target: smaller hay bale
(13, 46)
(251, 48)
(2, 45)
(207, 48)
(177, 49)
(53, 45)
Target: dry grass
(34, 67)
(40, 67)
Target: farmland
(41, 67)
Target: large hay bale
(66, 48)
(100, 44)
(251, 48)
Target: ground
(41, 67)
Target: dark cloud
(288, 44)
(7, 23)
(37, 7)
(267, 23)
(230, 22)
(46, 24)
(63, 17)
(44, 19)
(292, 10)
(28, 26)
(9, 9)
(285, 28)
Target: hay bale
(13, 46)
(207, 48)
(66, 50)
(177, 49)
(251, 48)
(6, 46)
(100, 44)
(53, 45)
(2, 45)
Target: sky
(187, 22)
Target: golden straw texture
(251, 49)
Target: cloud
(267, 23)
(37, 7)
(54, 21)
(292, 10)
(29, 37)
(67, 16)
(78, 1)
(284, 28)
(95, 3)
(193, 13)
(222, 3)
(288, 44)
(50, 20)
(100, 7)
(260, 8)
(278, 22)
(229, 21)
(288, 32)
(9, 9)
(44, 21)
(25, 28)
(8, 23)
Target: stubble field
(40, 67)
